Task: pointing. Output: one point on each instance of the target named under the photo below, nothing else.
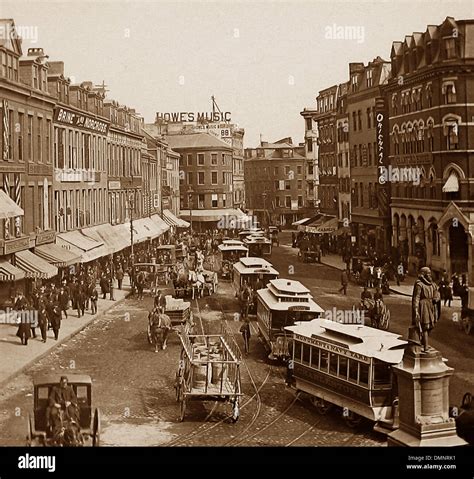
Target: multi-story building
(430, 98)
(325, 117)
(311, 153)
(275, 181)
(205, 179)
(370, 202)
(343, 160)
(238, 184)
(26, 167)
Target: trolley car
(258, 245)
(282, 303)
(228, 255)
(251, 270)
(209, 370)
(349, 366)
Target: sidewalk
(16, 357)
(334, 261)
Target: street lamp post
(264, 196)
(131, 204)
(190, 198)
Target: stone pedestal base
(423, 390)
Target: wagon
(209, 370)
(37, 433)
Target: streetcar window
(342, 367)
(315, 357)
(353, 370)
(323, 362)
(297, 351)
(381, 373)
(333, 364)
(364, 374)
(306, 353)
(81, 392)
(43, 393)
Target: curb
(20, 370)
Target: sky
(263, 61)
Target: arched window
(430, 134)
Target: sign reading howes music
(79, 120)
(190, 116)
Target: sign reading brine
(79, 120)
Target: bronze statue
(425, 305)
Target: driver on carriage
(62, 399)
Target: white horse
(197, 281)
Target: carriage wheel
(96, 429)
(235, 410)
(352, 419)
(29, 434)
(467, 325)
(322, 406)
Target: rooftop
(196, 140)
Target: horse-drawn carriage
(311, 255)
(148, 276)
(228, 255)
(84, 432)
(166, 254)
(273, 234)
(209, 369)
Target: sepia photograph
(237, 226)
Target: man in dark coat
(63, 398)
(81, 299)
(425, 311)
(24, 328)
(104, 286)
(63, 299)
(344, 281)
(54, 316)
(43, 320)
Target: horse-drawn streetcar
(79, 428)
(228, 255)
(349, 366)
(209, 369)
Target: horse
(159, 328)
(197, 282)
(67, 432)
(378, 313)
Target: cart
(89, 425)
(467, 314)
(209, 369)
(310, 256)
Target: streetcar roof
(256, 239)
(255, 262)
(274, 304)
(47, 379)
(370, 342)
(289, 287)
(255, 269)
(226, 247)
(229, 242)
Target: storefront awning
(87, 248)
(326, 227)
(112, 236)
(143, 229)
(8, 272)
(34, 266)
(8, 208)
(162, 225)
(452, 184)
(300, 222)
(172, 220)
(55, 254)
(226, 214)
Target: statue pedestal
(423, 391)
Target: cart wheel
(352, 419)
(96, 429)
(322, 406)
(29, 433)
(235, 411)
(182, 408)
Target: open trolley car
(282, 303)
(228, 255)
(349, 366)
(250, 270)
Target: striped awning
(34, 266)
(162, 225)
(55, 254)
(8, 272)
(452, 184)
(172, 220)
(8, 208)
